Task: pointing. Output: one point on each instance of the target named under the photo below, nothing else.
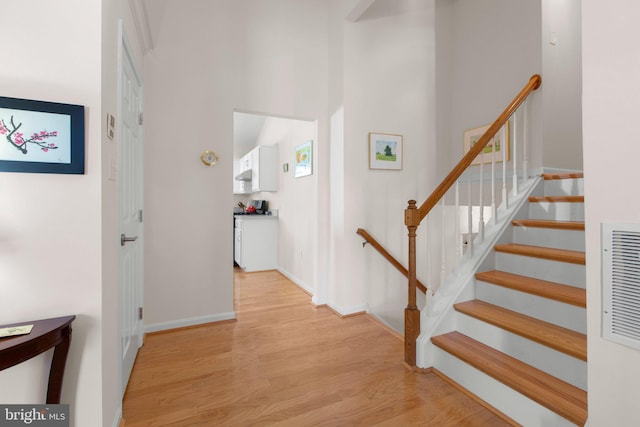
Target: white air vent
(621, 283)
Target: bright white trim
(181, 323)
(308, 289)
(349, 310)
(118, 416)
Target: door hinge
(140, 118)
(140, 217)
(140, 313)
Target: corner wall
(294, 200)
(389, 80)
(611, 101)
(247, 55)
(50, 229)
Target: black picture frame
(41, 136)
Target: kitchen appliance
(253, 207)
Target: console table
(45, 334)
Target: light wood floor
(285, 362)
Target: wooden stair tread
(551, 224)
(568, 175)
(553, 336)
(563, 255)
(560, 397)
(542, 288)
(557, 199)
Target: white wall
(562, 84)
(611, 101)
(211, 58)
(389, 78)
(294, 200)
(495, 48)
(51, 232)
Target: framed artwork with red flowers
(41, 136)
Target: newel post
(411, 313)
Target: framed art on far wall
(385, 151)
(303, 162)
(41, 137)
(471, 136)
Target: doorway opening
(276, 150)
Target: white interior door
(130, 199)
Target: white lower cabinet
(256, 242)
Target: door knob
(124, 239)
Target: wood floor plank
(285, 362)
(566, 400)
(553, 336)
(557, 199)
(568, 175)
(542, 288)
(552, 224)
(554, 254)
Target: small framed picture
(471, 137)
(303, 162)
(385, 151)
(41, 137)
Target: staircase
(521, 344)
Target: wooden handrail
(414, 215)
(534, 83)
(377, 246)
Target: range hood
(244, 176)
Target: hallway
(285, 362)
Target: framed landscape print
(385, 151)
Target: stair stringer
(438, 315)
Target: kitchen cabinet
(256, 242)
(257, 170)
(264, 167)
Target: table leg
(56, 373)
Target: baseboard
(350, 312)
(193, 321)
(118, 421)
(302, 285)
(477, 399)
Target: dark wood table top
(46, 334)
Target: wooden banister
(377, 246)
(414, 215)
(534, 83)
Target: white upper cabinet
(264, 167)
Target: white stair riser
(516, 406)
(553, 271)
(564, 187)
(560, 365)
(559, 211)
(558, 313)
(561, 239)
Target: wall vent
(621, 283)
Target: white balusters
(443, 249)
(525, 141)
(456, 233)
(514, 144)
(503, 150)
(481, 220)
(469, 239)
(494, 215)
